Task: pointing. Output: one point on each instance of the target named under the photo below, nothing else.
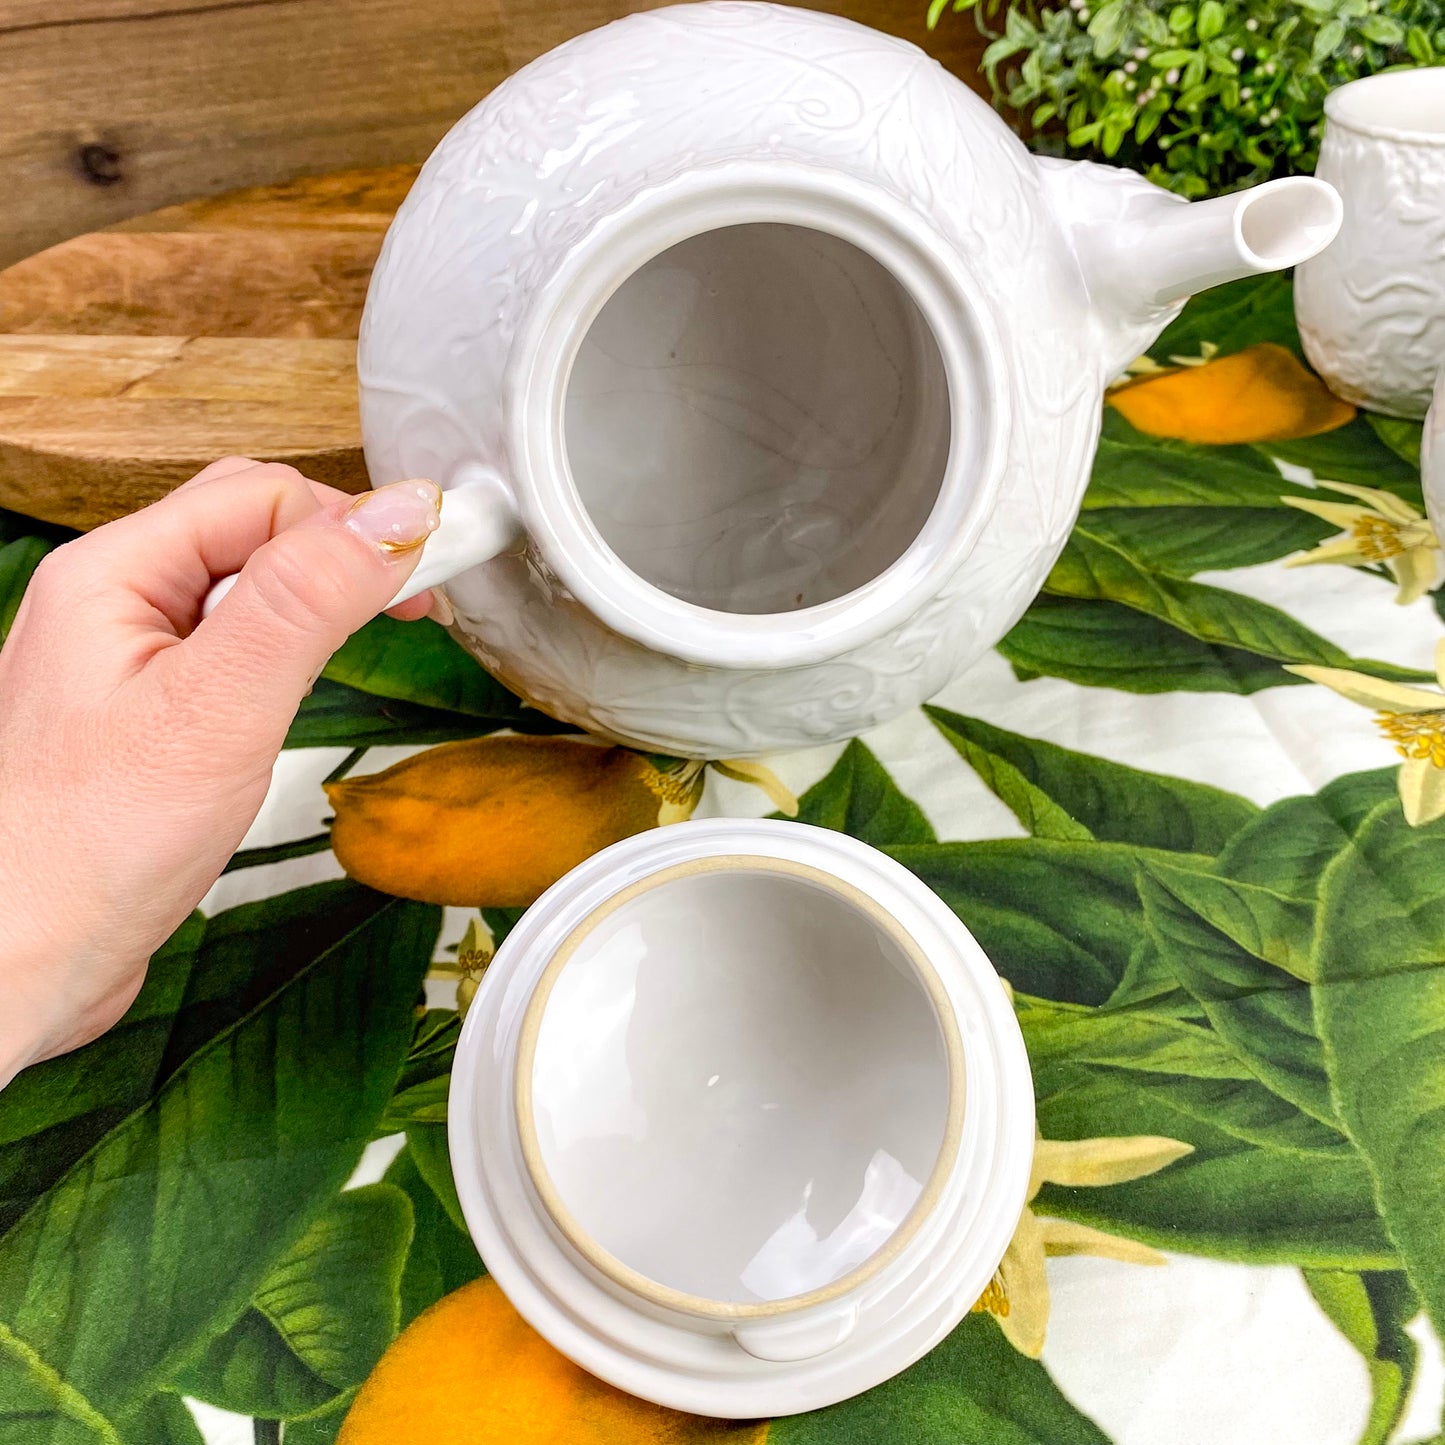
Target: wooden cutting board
(131, 357)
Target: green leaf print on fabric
(442, 1258)
(320, 1428)
(37, 1407)
(1231, 1199)
(1096, 566)
(427, 1144)
(1402, 437)
(408, 683)
(858, 797)
(295, 1017)
(18, 561)
(973, 1387)
(1262, 1011)
(320, 1319)
(1371, 1311)
(1139, 473)
(1380, 1008)
(1354, 453)
(1057, 919)
(1183, 507)
(250, 1370)
(1199, 1073)
(1057, 793)
(417, 662)
(1121, 608)
(53, 1113)
(165, 1420)
(1258, 308)
(1183, 541)
(335, 716)
(421, 1091)
(1105, 644)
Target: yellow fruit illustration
(491, 821)
(471, 1371)
(1261, 394)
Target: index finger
(167, 554)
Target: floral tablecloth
(1187, 806)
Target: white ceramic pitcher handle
(787, 1340)
(478, 520)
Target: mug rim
(1338, 100)
(952, 306)
(633, 1280)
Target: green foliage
(1380, 1009)
(1238, 1069)
(18, 561)
(859, 798)
(442, 1258)
(1058, 793)
(1200, 97)
(1122, 607)
(418, 662)
(1110, 564)
(321, 1318)
(154, 1181)
(406, 682)
(974, 1387)
(1371, 1311)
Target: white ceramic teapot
(761, 366)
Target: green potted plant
(1201, 97)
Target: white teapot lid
(741, 1119)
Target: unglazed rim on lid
(948, 300)
(634, 1281)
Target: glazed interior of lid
(739, 1088)
(758, 420)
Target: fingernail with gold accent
(397, 519)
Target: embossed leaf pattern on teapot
(761, 364)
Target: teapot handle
(478, 520)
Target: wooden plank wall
(116, 107)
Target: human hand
(137, 740)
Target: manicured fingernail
(397, 519)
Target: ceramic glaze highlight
(745, 546)
(780, 1078)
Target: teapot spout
(1177, 250)
(1144, 251)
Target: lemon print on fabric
(1261, 394)
(495, 821)
(471, 1371)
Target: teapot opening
(758, 419)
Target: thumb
(303, 593)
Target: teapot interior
(758, 419)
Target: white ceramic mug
(741, 1119)
(1371, 308)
